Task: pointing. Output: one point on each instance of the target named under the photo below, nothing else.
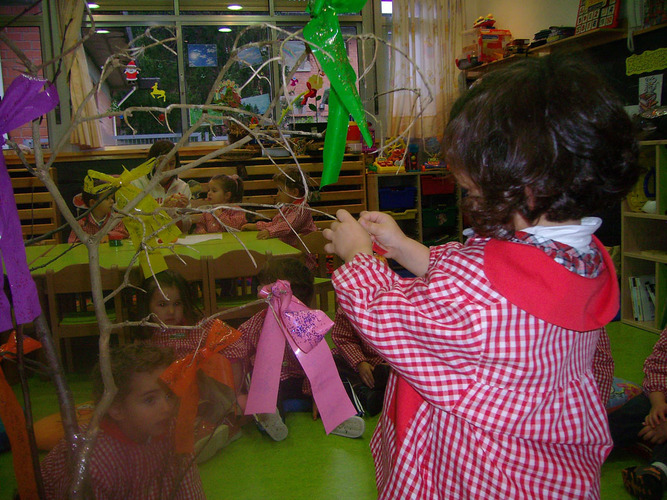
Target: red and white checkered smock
(183, 341)
(492, 395)
(350, 345)
(655, 367)
(231, 218)
(90, 225)
(300, 219)
(123, 468)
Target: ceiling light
(93, 6)
(102, 32)
(225, 29)
(235, 6)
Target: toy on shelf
(394, 162)
(486, 21)
(483, 43)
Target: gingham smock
(492, 395)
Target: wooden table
(39, 256)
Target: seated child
(366, 371)
(293, 217)
(170, 192)
(293, 381)
(222, 190)
(218, 406)
(99, 215)
(133, 456)
(644, 418)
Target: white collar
(577, 236)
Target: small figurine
(484, 22)
(157, 93)
(131, 72)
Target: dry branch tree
(267, 130)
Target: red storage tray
(437, 184)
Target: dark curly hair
(546, 136)
(125, 362)
(289, 269)
(291, 178)
(163, 147)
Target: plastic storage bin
(440, 217)
(397, 198)
(486, 44)
(436, 184)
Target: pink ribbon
(304, 328)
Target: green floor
(310, 465)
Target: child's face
(149, 408)
(103, 209)
(171, 164)
(169, 310)
(286, 195)
(216, 195)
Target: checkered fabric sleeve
(230, 218)
(655, 367)
(350, 345)
(90, 226)
(497, 384)
(290, 218)
(603, 366)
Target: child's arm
(348, 342)
(349, 238)
(286, 222)
(119, 232)
(655, 381)
(603, 366)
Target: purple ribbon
(25, 100)
(303, 328)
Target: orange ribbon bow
(181, 377)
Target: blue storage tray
(399, 197)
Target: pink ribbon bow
(303, 328)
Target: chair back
(71, 312)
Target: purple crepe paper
(25, 100)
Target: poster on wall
(202, 55)
(650, 92)
(594, 14)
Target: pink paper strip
(332, 401)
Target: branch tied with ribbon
(288, 319)
(142, 225)
(181, 377)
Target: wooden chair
(315, 242)
(234, 272)
(195, 272)
(70, 306)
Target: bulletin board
(594, 14)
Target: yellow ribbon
(141, 225)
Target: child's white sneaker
(353, 427)
(273, 425)
(210, 440)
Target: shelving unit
(644, 241)
(428, 215)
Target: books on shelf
(642, 294)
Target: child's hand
(366, 373)
(347, 237)
(263, 234)
(384, 231)
(657, 435)
(657, 415)
(249, 227)
(178, 200)
(316, 413)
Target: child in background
(294, 384)
(294, 215)
(361, 365)
(644, 418)
(99, 215)
(133, 456)
(175, 308)
(222, 190)
(170, 192)
(492, 392)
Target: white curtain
(70, 15)
(429, 32)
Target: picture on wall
(594, 14)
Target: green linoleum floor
(310, 465)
